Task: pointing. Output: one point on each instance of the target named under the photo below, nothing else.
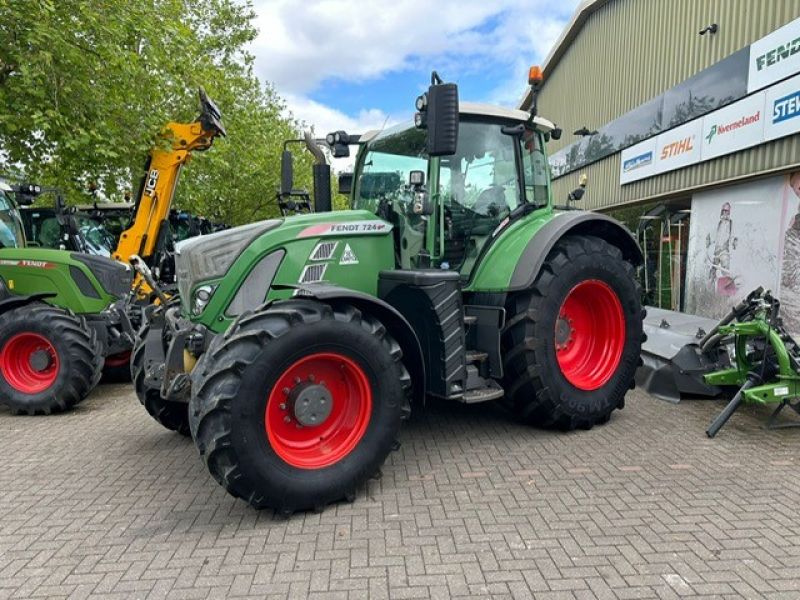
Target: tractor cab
(11, 230)
(499, 171)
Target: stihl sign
(677, 148)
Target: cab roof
(491, 110)
(478, 109)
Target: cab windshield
(385, 171)
(11, 233)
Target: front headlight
(201, 298)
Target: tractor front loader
(300, 344)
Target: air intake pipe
(322, 175)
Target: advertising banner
(737, 126)
(734, 244)
(774, 57)
(789, 252)
(678, 147)
(783, 109)
(638, 162)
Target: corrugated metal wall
(629, 51)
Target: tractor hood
(210, 256)
(222, 274)
(80, 282)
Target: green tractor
(300, 344)
(61, 314)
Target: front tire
(572, 342)
(170, 415)
(299, 404)
(48, 359)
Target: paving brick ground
(103, 503)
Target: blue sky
(357, 65)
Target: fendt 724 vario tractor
(301, 343)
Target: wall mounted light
(712, 29)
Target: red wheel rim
(118, 360)
(314, 440)
(29, 363)
(590, 335)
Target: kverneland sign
(735, 127)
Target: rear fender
(576, 223)
(395, 323)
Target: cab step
(476, 356)
(470, 320)
(491, 391)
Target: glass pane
(478, 187)
(11, 235)
(536, 169)
(392, 156)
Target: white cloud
(324, 119)
(303, 43)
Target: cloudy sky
(359, 64)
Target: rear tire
(246, 390)
(170, 415)
(572, 342)
(49, 359)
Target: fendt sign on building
(760, 117)
(774, 57)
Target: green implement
(766, 361)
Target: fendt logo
(677, 148)
(637, 162)
(785, 108)
(732, 126)
(777, 54)
(36, 264)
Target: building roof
(585, 9)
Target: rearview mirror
(345, 183)
(438, 113)
(287, 173)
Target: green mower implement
(299, 344)
(766, 361)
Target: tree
(87, 85)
